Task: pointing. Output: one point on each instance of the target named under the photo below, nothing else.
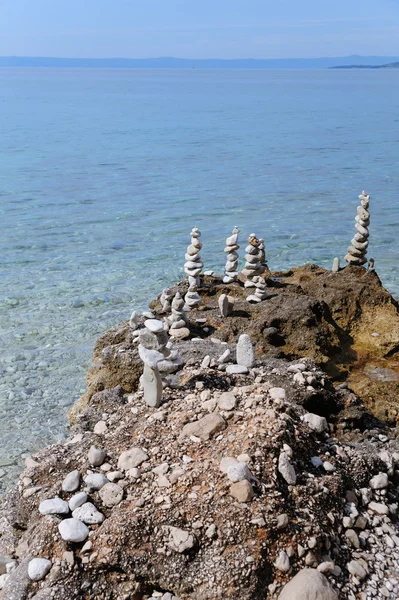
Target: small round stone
(73, 530)
(38, 568)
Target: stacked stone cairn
(253, 266)
(165, 300)
(260, 290)
(193, 265)
(177, 321)
(262, 255)
(231, 273)
(358, 249)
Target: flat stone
(308, 584)
(226, 462)
(286, 469)
(206, 362)
(379, 482)
(111, 494)
(54, 506)
(180, 334)
(283, 562)
(100, 428)
(77, 500)
(88, 513)
(154, 325)
(38, 568)
(245, 354)
(242, 491)
(227, 401)
(205, 428)
(316, 423)
(352, 536)
(297, 367)
(95, 481)
(225, 357)
(150, 358)
(71, 482)
(179, 540)
(96, 456)
(236, 370)
(129, 459)
(73, 530)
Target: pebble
(379, 482)
(238, 471)
(283, 562)
(95, 481)
(227, 401)
(282, 521)
(111, 494)
(88, 513)
(277, 393)
(54, 506)
(71, 481)
(242, 491)
(100, 428)
(154, 325)
(77, 500)
(356, 569)
(38, 568)
(286, 469)
(205, 428)
(179, 540)
(73, 530)
(96, 456)
(379, 508)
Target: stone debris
(253, 266)
(286, 469)
(231, 268)
(358, 249)
(95, 481)
(205, 428)
(242, 491)
(88, 513)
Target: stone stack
(153, 340)
(262, 256)
(253, 265)
(165, 300)
(231, 273)
(260, 291)
(177, 321)
(193, 265)
(358, 249)
(192, 299)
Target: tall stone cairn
(358, 249)
(193, 265)
(253, 265)
(230, 272)
(177, 321)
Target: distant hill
(393, 65)
(186, 63)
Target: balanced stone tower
(193, 265)
(231, 273)
(358, 249)
(260, 291)
(253, 266)
(177, 321)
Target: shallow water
(104, 172)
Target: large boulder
(308, 584)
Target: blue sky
(199, 28)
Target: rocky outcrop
(230, 487)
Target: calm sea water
(104, 172)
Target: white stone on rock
(225, 357)
(223, 302)
(77, 500)
(226, 462)
(236, 370)
(379, 508)
(277, 393)
(95, 481)
(308, 584)
(379, 482)
(356, 569)
(296, 368)
(111, 494)
(38, 568)
(96, 456)
(54, 506)
(227, 401)
(245, 354)
(129, 459)
(336, 265)
(152, 384)
(73, 530)
(205, 428)
(282, 521)
(238, 471)
(286, 469)
(100, 428)
(179, 540)
(71, 482)
(315, 422)
(283, 562)
(88, 513)
(150, 357)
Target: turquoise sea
(104, 172)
